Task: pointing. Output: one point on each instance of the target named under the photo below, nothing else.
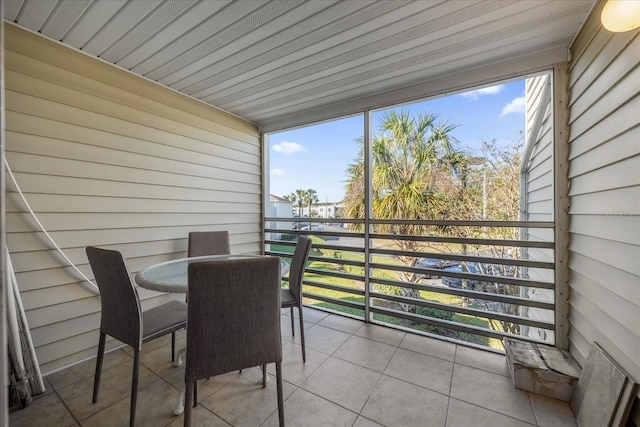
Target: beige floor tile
(244, 402)
(304, 409)
(463, 414)
(482, 359)
(491, 391)
(551, 412)
(286, 328)
(154, 408)
(324, 340)
(159, 360)
(311, 315)
(420, 369)
(407, 394)
(397, 403)
(365, 352)
(206, 387)
(294, 370)
(380, 334)
(341, 323)
(200, 417)
(364, 422)
(87, 369)
(115, 384)
(429, 346)
(48, 407)
(343, 383)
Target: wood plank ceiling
(283, 63)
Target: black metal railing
(472, 281)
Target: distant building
(320, 210)
(279, 208)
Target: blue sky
(316, 157)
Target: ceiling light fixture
(621, 15)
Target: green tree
(310, 197)
(413, 161)
(501, 202)
(297, 198)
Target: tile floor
(356, 374)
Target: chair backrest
(121, 313)
(203, 243)
(298, 263)
(233, 316)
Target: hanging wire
(33, 215)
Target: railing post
(368, 212)
(561, 201)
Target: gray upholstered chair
(203, 243)
(234, 322)
(292, 297)
(123, 319)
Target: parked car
(473, 268)
(300, 225)
(433, 263)
(456, 282)
(312, 227)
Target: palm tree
(412, 159)
(298, 197)
(310, 197)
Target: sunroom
(128, 124)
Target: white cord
(24, 200)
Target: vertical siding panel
(604, 168)
(110, 159)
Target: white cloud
(288, 147)
(475, 94)
(277, 172)
(517, 105)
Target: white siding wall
(109, 159)
(538, 200)
(604, 171)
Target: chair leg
(188, 397)
(99, 359)
(195, 393)
(173, 346)
(134, 387)
(293, 330)
(304, 355)
(264, 376)
(280, 398)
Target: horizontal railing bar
(449, 257)
(471, 276)
(334, 274)
(352, 291)
(519, 320)
(336, 301)
(356, 249)
(463, 240)
(316, 220)
(314, 232)
(466, 223)
(451, 325)
(437, 322)
(319, 259)
(467, 258)
(439, 222)
(317, 246)
(507, 299)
